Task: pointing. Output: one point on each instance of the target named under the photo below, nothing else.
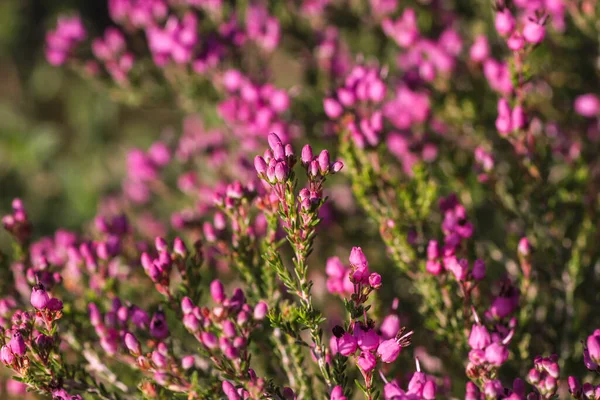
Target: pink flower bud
(375, 280)
(209, 340)
(478, 270)
(534, 32)
(496, 354)
(6, 355)
(39, 297)
(357, 257)
(274, 141)
(480, 50)
(260, 165)
(333, 109)
(479, 338)
(587, 105)
(281, 172)
(260, 310)
(337, 393)
(337, 167)
(524, 247)
(307, 154)
(217, 291)
(17, 344)
(516, 42)
(132, 344)
(505, 22)
(179, 247)
(324, 162)
(593, 347)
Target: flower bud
(332, 108)
(281, 172)
(337, 167)
(260, 165)
(179, 247)
(478, 270)
(534, 32)
(504, 22)
(17, 344)
(132, 344)
(274, 141)
(307, 154)
(39, 297)
(6, 355)
(479, 338)
(593, 347)
(357, 257)
(260, 310)
(324, 162)
(217, 291)
(375, 280)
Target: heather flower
(504, 22)
(347, 344)
(337, 393)
(479, 338)
(389, 350)
(366, 338)
(158, 326)
(366, 361)
(534, 31)
(17, 344)
(593, 347)
(39, 297)
(496, 354)
(132, 344)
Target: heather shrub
(359, 199)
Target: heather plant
(364, 199)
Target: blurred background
(62, 142)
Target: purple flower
(158, 326)
(17, 344)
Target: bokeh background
(63, 141)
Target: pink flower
(366, 361)
(389, 350)
(505, 22)
(347, 344)
(587, 105)
(496, 354)
(479, 338)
